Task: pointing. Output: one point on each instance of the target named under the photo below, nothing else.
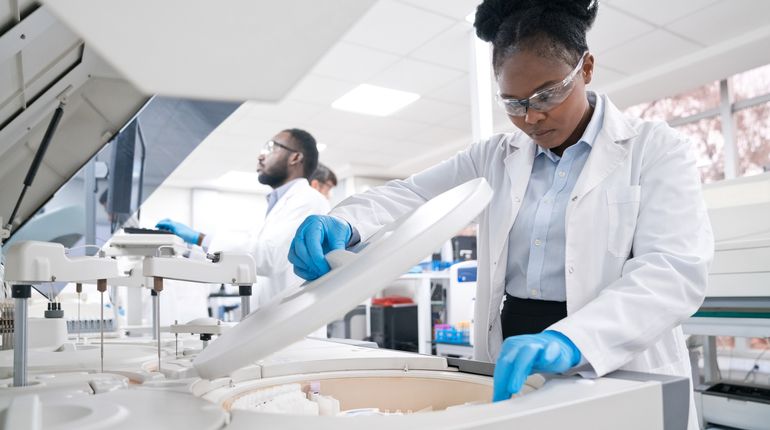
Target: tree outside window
(706, 134)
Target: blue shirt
(536, 242)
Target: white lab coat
(270, 246)
(638, 240)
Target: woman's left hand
(520, 356)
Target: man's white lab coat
(270, 246)
(638, 240)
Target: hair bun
(491, 14)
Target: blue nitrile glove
(316, 237)
(520, 356)
(186, 233)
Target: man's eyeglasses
(271, 145)
(543, 100)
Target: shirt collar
(592, 129)
(276, 194)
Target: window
(753, 83)
(698, 114)
(709, 146)
(680, 106)
(752, 139)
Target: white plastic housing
(232, 268)
(33, 262)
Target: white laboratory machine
(737, 299)
(261, 372)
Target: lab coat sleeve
(369, 211)
(665, 281)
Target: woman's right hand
(317, 236)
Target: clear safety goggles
(272, 145)
(545, 99)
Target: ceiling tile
(353, 63)
(660, 12)
(289, 111)
(393, 128)
(451, 48)
(648, 51)
(603, 77)
(320, 90)
(723, 20)
(435, 136)
(460, 121)
(457, 91)
(613, 28)
(415, 76)
(342, 121)
(429, 111)
(248, 128)
(396, 27)
(457, 9)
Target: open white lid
(381, 259)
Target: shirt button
(574, 198)
(490, 327)
(562, 174)
(516, 199)
(534, 293)
(538, 242)
(570, 269)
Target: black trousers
(527, 316)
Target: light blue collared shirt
(277, 193)
(536, 242)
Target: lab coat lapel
(607, 153)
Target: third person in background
(323, 180)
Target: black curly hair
(551, 28)
(308, 148)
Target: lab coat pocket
(623, 209)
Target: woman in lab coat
(597, 240)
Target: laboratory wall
(224, 215)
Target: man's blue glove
(317, 236)
(520, 356)
(186, 233)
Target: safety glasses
(545, 99)
(271, 145)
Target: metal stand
(101, 286)
(176, 342)
(245, 292)
(20, 293)
(710, 365)
(79, 289)
(157, 287)
(155, 316)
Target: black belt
(528, 316)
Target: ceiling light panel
(373, 100)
